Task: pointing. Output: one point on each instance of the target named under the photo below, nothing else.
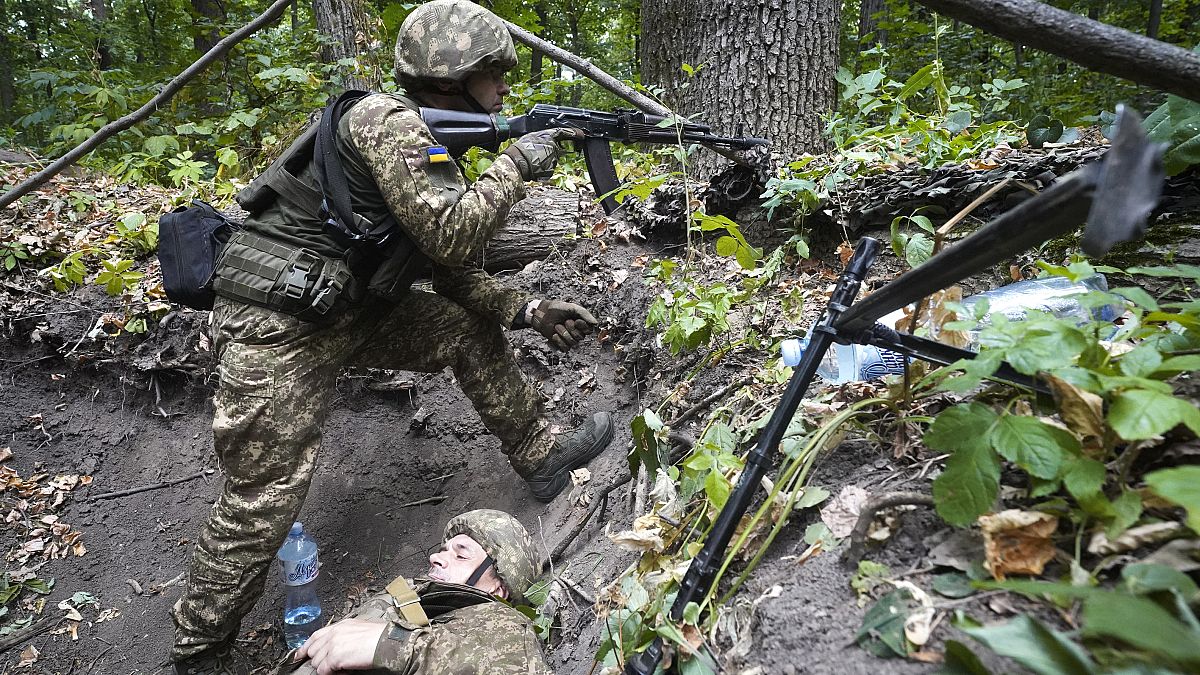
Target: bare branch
(112, 128)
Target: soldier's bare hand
(346, 645)
(564, 324)
(536, 154)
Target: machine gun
(458, 131)
(1115, 197)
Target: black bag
(189, 240)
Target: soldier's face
(489, 88)
(457, 561)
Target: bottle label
(300, 572)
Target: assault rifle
(459, 131)
(1114, 196)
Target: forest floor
(84, 414)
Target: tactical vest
(304, 251)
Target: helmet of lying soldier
(508, 546)
(449, 40)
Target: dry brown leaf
(108, 615)
(1135, 538)
(844, 251)
(927, 657)
(646, 535)
(1083, 412)
(1017, 542)
(841, 514)
(5, 454)
(29, 656)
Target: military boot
(570, 451)
(219, 660)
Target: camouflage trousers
(277, 374)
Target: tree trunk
(210, 14)
(1155, 18)
(537, 58)
(7, 53)
(764, 69)
(349, 28)
(868, 25)
(99, 12)
(1091, 44)
(534, 227)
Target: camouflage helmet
(506, 540)
(450, 40)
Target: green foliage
(1145, 621)
(1177, 123)
(868, 575)
(1102, 399)
(691, 314)
(912, 248)
(116, 277)
(12, 253)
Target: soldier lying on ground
(279, 365)
(459, 626)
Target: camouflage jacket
(469, 634)
(384, 147)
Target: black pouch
(189, 240)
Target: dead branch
(710, 399)
(146, 488)
(858, 537)
(436, 499)
(1092, 44)
(31, 631)
(219, 50)
(601, 499)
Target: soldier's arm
(471, 640)
(447, 219)
(476, 290)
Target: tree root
(601, 499)
(858, 537)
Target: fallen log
(536, 225)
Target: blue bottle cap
(297, 529)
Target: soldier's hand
(536, 154)
(346, 645)
(564, 324)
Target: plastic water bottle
(299, 567)
(1058, 296)
(847, 363)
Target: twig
(858, 538)
(640, 490)
(583, 595)
(92, 667)
(708, 400)
(436, 499)
(273, 12)
(601, 498)
(146, 488)
(31, 631)
(159, 588)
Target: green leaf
(918, 81)
(1141, 361)
(726, 246)
(957, 122)
(960, 660)
(39, 586)
(882, 630)
(227, 157)
(1179, 485)
(691, 613)
(1127, 508)
(1033, 645)
(1178, 364)
(811, 497)
(1033, 445)
(969, 485)
(1138, 296)
(1142, 578)
(953, 585)
(1142, 624)
(918, 250)
(1139, 413)
(1083, 477)
(717, 488)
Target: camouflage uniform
(277, 372)
(470, 633)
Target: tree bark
(1155, 18)
(99, 11)
(535, 226)
(868, 25)
(206, 35)
(349, 28)
(1091, 44)
(7, 53)
(766, 67)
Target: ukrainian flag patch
(437, 154)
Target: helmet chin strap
(466, 96)
(479, 571)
